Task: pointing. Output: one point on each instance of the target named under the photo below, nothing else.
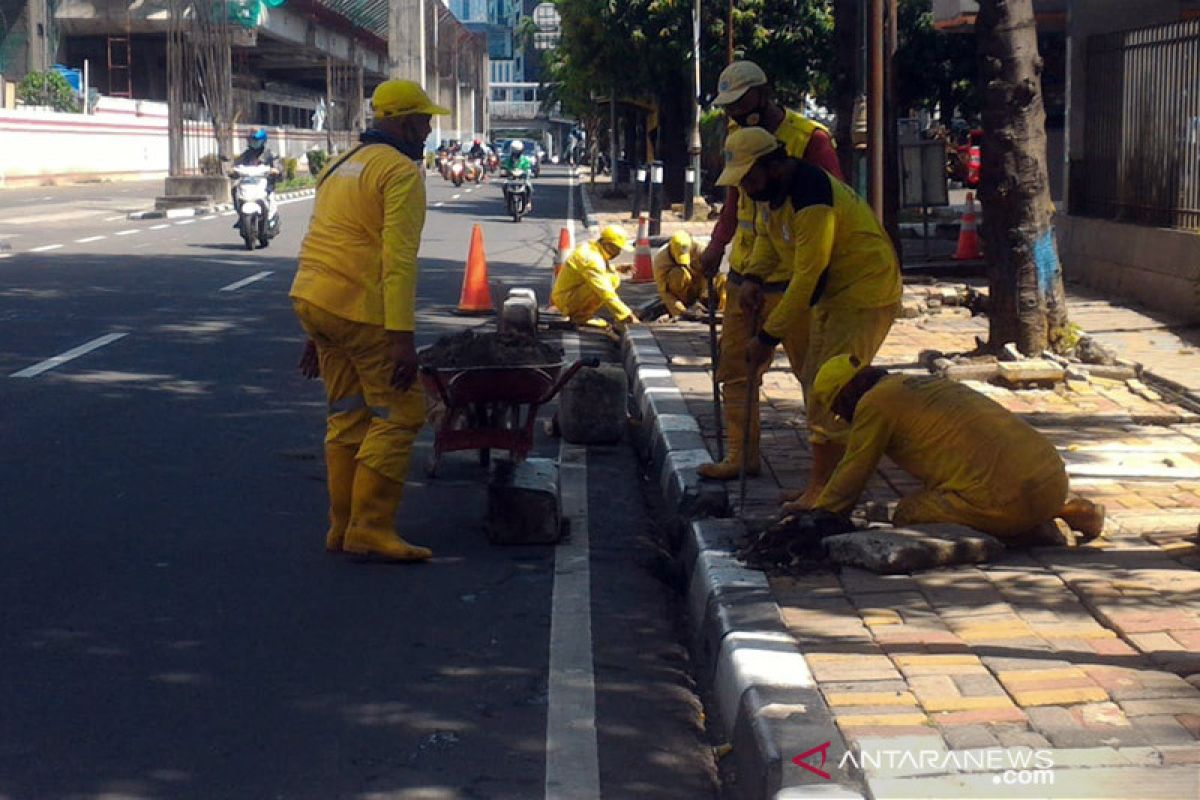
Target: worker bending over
(982, 466)
(748, 101)
(842, 266)
(588, 282)
(680, 278)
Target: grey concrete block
(523, 503)
(686, 493)
(1033, 370)
(718, 535)
(592, 406)
(890, 551)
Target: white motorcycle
(258, 214)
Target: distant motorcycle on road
(516, 195)
(258, 214)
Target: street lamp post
(695, 147)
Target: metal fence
(1142, 134)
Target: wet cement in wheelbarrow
(488, 349)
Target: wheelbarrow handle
(592, 362)
(437, 381)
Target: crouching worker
(982, 466)
(588, 282)
(680, 277)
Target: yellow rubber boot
(735, 428)
(826, 457)
(372, 530)
(339, 477)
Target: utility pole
(39, 60)
(406, 40)
(695, 147)
(875, 113)
(729, 34)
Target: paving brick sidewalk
(1091, 652)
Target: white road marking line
(470, 190)
(114, 219)
(572, 753)
(62, 358)
(160, 227)
(233, 287)
(6, 255)
(129, 232)
(45, 248)
(229, 214)
(186, 222)
(455, 196)
(439, 204)
(89, 239)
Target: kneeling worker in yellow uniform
(588, 282)
(355, 294)
(680, 277)
(843, 267)
(982, 465)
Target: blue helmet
(258, 138)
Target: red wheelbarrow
(490, 408)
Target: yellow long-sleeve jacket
(587, 282)
(359, 257)
(795, 132)
(664, 264)
(949, 436)
(838, 253)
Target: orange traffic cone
(968, 236)
(476, 298)
(643, 262)
(564, 247)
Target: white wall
(123, 137)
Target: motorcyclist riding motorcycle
(257, 154)
(477, 150)
(517, 161)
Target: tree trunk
(1025, 277)
(847, 23)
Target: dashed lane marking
(233, 287)
(44, 248)
(455, 196)
(89, 239)
(70, 355)
(186, 222)
(114, 219)
(160, 227)
(129, 232)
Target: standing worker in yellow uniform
(981, 465)
(588, 282)
(355, 294)
(843, 268)
(680, 278)
(754, 292)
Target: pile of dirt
(487, 349)
(795, 544)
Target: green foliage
(316, 161)
(289, 168)
(294, 183)
(712, 137)
(933, 67)
(210, 165)
(47, 89)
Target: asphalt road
(171, 625)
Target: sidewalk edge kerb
(768, 705)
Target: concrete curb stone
(768, 704)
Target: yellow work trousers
(736, 332)
(859, 332)
(580, 303)
(688, 288)
(364, 410)
(1003, 515)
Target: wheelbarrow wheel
(485, 457)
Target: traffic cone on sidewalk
(968, 234)
(476, 297)
(643, 262)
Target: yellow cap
(398, 98)
(681, 248)
(736, 79)
(616, 237)
(742, 148)
(833, 377)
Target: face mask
(754, 117)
